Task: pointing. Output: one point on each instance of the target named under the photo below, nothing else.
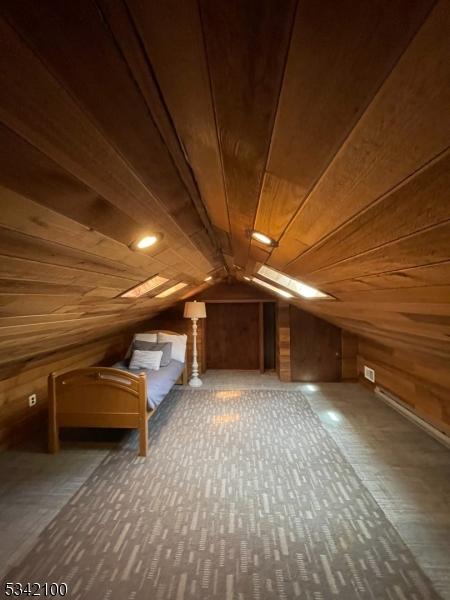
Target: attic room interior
(225, 299)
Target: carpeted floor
(244, 496)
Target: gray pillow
(165, 347)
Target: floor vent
(402, 408)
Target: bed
(112, 397)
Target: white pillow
(178, 345)
(146, 359)
(146, 337)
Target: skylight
(145, 287)
(294, 285)
(172, 290)
(269, 286)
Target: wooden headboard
(162, 331)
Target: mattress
(159, 383)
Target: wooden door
(232, 335)
(315, 348)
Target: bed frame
(100, 397)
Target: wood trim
(283, 341)
(53, 431)
(349, 351)
(261, 337)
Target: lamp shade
(194, 310)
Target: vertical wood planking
(283, 341)
(246, 45)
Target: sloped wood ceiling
(325, 125)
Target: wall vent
(369, 374)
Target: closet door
(315, 348)
(232, 335)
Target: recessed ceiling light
(208, 278)
(146, 241)
(263, 238)
(172, 290)
(306, 291)
(145, 287)
(269, 286)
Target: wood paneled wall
(233, 291)
(17, 419)
(419, 379)
(302, 337)
(233, 336)
(315, 348)
(283, 352)
(349, 355)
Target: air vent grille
(369, 374)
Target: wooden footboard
(98, 397)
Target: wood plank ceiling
(325, 125)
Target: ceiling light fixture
(271, 287)
(208, 278)
(296, 286)
(145, 287)
(146, 242)
(247, 278)
(263, 238)
(172, 290)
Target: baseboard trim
(398, 405)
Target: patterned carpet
(244, 496)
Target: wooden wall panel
(182, 72)
(246, 44)
(283, 353)
(233, 291)
(147, 182)
(333, 45)
(420, 200)
(349, 355)
(356, 178)
(233, 336)
(421, 381)
(315, 348)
